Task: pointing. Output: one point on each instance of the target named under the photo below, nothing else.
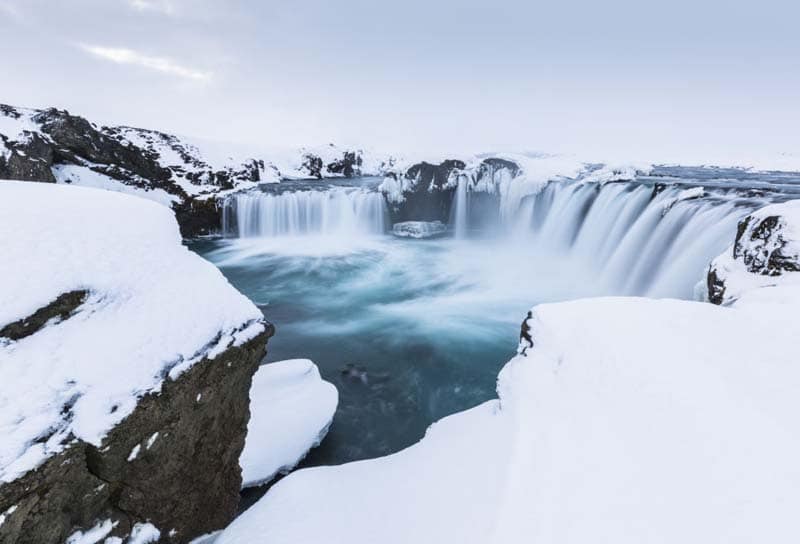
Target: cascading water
(337, 211)
(626, 238)
(460, 208)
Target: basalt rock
(174, 463)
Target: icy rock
(766, 253)
(419, 229)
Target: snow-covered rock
(291, 408)
(631, 420)
(419, 229)
(109, 329)
(183, 173)
(766, 253)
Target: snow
(134, 452)
(152, 440)
(144, 533)
(14, 127)
(7, 513)
(618, 172)
(93, 535)
(418, 229)
(153, 306)
(631, 420)
(85, 177)
(291, 408)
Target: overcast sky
(591, 77)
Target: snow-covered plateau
(631, 420)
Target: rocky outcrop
(55, 146)
(348, 165)
(424, 192)
(765, 252)
(174, 462)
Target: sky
(617, 78)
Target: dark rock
(716, 286)
(29, 159)
(78, 141)
(762, 248)
(760, 245)
(349, 165)
(185, 480)
(313, 165)
(61, 308)
(198, 217)
(431, 197)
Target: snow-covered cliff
(126, 363)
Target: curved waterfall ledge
(336, 211)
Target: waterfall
(631, 239)
(616, 238)
(338, 211)
(460, 208)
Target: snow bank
(83, 176)
(153, 309)
(632, 420)
(291, 408)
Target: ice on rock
(291, 408)
(419, 229)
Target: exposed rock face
(767, 248)
(29, 159)
(425, 193)
(174, 462)
(762, 247)
(349, 165)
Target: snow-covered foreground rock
(125, 362)
(291, 408)
(632, 420)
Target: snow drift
(291, 408)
